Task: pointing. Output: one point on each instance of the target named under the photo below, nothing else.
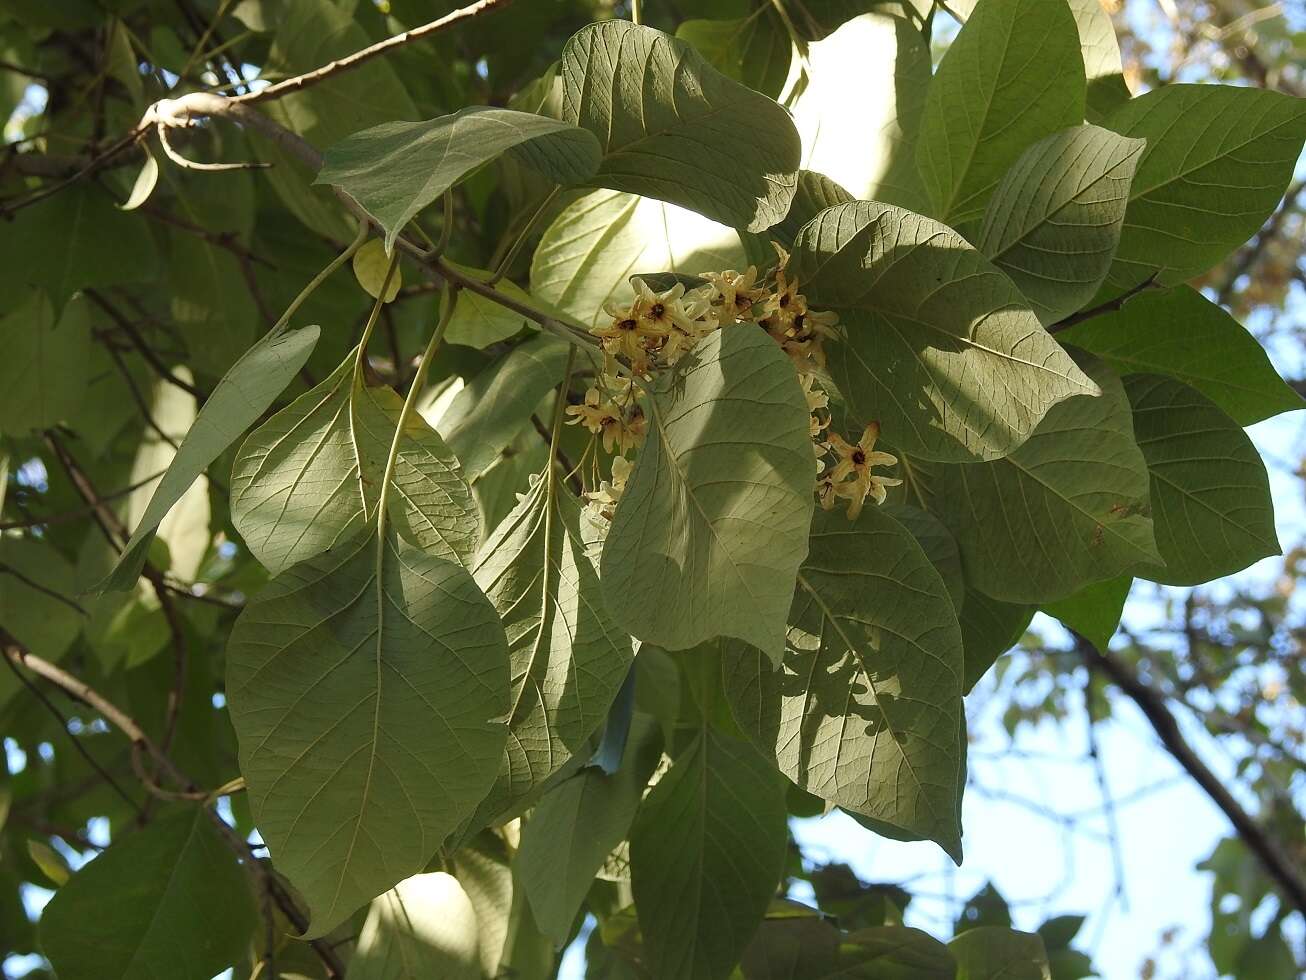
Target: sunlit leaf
(673, 127)
(923, 312)
(864, 710)
(713, 522)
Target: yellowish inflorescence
(656, 329)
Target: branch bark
(350, 62)
(1278, 865)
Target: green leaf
(1102, 64)
(864, 710)
(1068, 508)
(754, 50)
(866, 144)
(577, 824)
(43, 375)
(497, 403)
(368, 687)
(1013, 75)
(148, 176)
(706, 855)
(309, 34)
(1054, 221)
(673, 127)
(423, 927)
(567, 659)
(713, 522)
(998, 953)
(816, 192)
(306, 477)
(372, 269)
(396, 169)
(479, 321)
(587, 256)
(940, 346)
(243, 394)
(1218, 160)
(483, 869)
(167, 901)
(938, 544)
(1094, 611)
(71, 240)
(892, 953)
(1058, 931)
(1210, 492)
(210, 303)
(1183, 334)
(185, 527)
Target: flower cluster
(656, 329)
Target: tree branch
(18, 655)
(1110, 306)
(1277, 864)
(349, 62)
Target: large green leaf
(1054, 221)
(587, 256)
(567, 659)
(243, 394)
(706, 855)
(815, 193)
(368, 688)
(939, 345)
(43, 375)
(1218, 159)
(396, 169)
(497, 403)
(674, 128)
(306, 477)
(423, 927)
(712, 526)
(1013, 75)
(1184, 335)
(998, 953)
(864, 710)
(577, 824)
(866, 144)
(169, 900)
(1068, 508)
(1210, 492)
(71, 240)
(937, 543)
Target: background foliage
(1039, 311)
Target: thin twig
(1278, 865)
(301, 82)
(573, 480)
(17, 655)
(173, 154)
(72, 515)
(1110, 306)
(142, 348)
(50, 706)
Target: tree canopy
(472, 474)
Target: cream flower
(852, 477)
